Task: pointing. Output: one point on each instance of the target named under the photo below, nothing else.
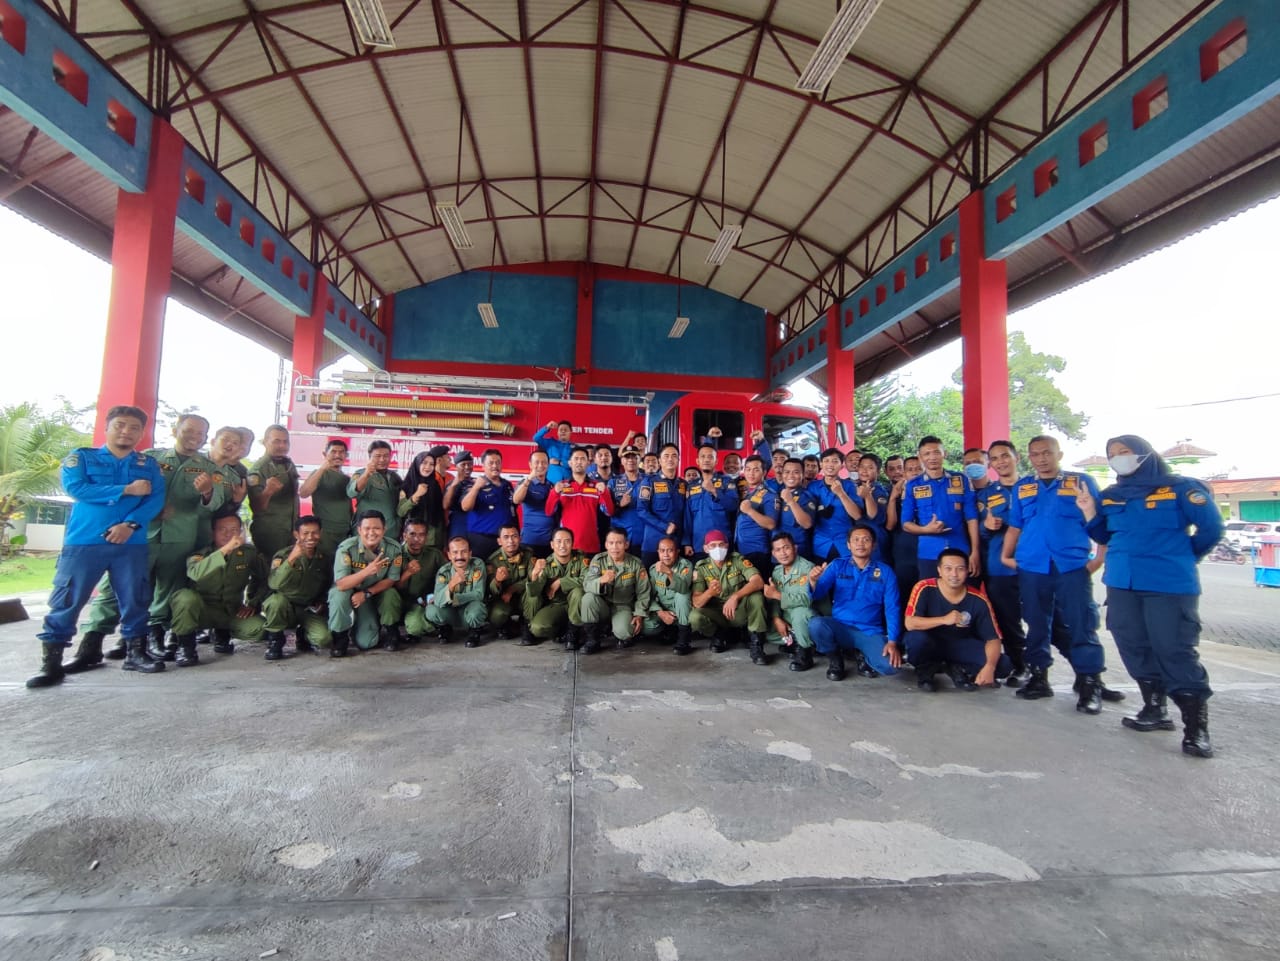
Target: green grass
(26, 573)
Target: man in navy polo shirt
(1048, 543)
(490, 506)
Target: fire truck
(414, 412)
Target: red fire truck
(415, 412)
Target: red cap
(714, 536)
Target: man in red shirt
(580, 501)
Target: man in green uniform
(553, 594)
(615, 591)
(228, 582)
(190, 500)
(364, 595)
(788, 603)
(727, 594)
(327, 488)
(671, 584)
(226, 451)
(508, 569)
(418, 573)
(299, 581)
(273, 494)
(377, 488)
(458, 596)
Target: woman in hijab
(421, 498)
(1157, 525)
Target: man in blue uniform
(758, 517)
(865, 617)
(531, 496)
(117, 492)
(558, 449)
(839, 508)
(490, 506)
(797, 508)
(625, 490)
(712, 502)
(1048, 543)
(940, 508)
(662, 504)
(875, 499)
(995, 499)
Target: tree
(872, 402)
(32, 446)
(912, 416)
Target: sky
(1183, 344)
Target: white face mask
(1126, 464)
(718, 554)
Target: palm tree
(32, 446)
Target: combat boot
(475, 637)
(960, 678)
(718, 643)
(155, 644)
(526, 635)
(572, 638)
(389, 636)
(755, 644)
(1104, 692)
(801, 658)
(275, 646)
(1195, 724)
(835, 666)
(506, 632)
(222, 643)
(341, 644)
(187, 654)
(683, 647)
(116, 653)
(864, 669)
(1154, 715)
(592, 643)
(301, 644)
(1089, 687)
(445, 633)
(136, 658)
(88, 654)
(924, 676)
(51, 670)
(1037, 685)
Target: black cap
(438, 451)
(463, 457)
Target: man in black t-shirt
(951, 628)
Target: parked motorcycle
(1228, 553)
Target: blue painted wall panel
(726, 337)
(537, 319)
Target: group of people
(842, 555)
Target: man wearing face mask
(377, 487)
(1146, 518)
(1048, 543)
(728, 593)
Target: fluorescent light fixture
(454, 225)
(489, 318)
(727, 240)
(370, 22)
(679, 327)
(836, 44)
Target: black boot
(572, 638)
(1104, 692)
(136, 658)
(1195, 724)
(718, 643)
(863, 668)
(592, 643)
(51, 670)
(835, 666)
(1089, 687)
(506, 632)
(683, 633)
(475, 637)
(924, 676)
(116, 653)
(1037, 685)
(755, 644)
(341, 643)
(204, 637)
(187, 654)
(960, 678)
(389, 637)
(155, 644)
(445, 633)
(88, 654)
(801, 658)
(526, 635)
(275, 646)
(1154, 715)
(222, 641)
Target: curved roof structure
(626, 133)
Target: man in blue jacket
(118, 490)
(866, 616)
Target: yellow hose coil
(443, 405)
(427, 422)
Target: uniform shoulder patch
(71, 460)
(277, 562)
(1197, 497)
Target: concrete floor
(516, 803)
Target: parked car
(1245, 534)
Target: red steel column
(984, 306)
(308, 333)
(582, 339)
(839, 379)
(141, 264)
